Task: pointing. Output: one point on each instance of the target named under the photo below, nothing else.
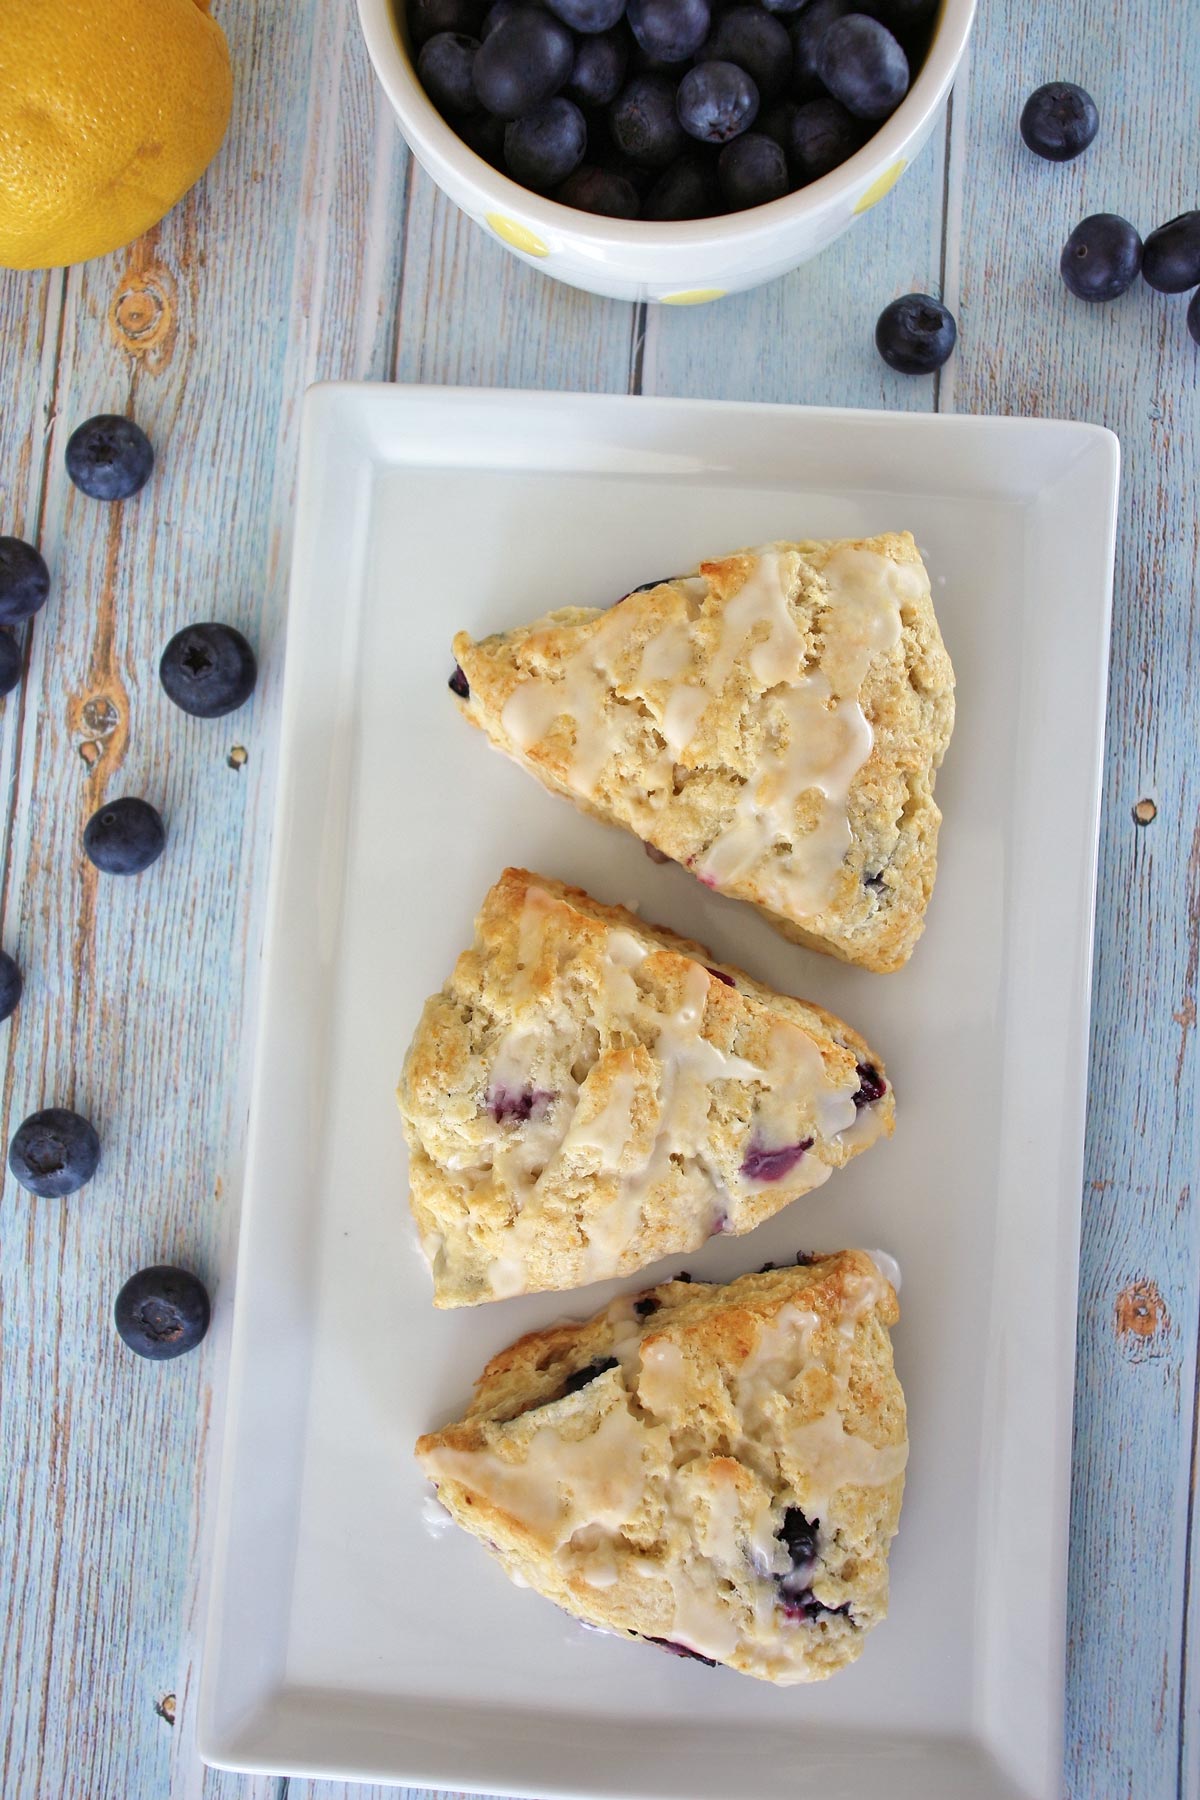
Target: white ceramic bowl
(679, 264)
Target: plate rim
(334, 404)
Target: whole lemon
(109, 111)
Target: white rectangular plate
(343, 1639)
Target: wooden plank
(207, 330)
(472, 313)
(30, 319)
(810, 336)
(1029, 347)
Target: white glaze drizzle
(794, 1099)
(609, 1130)
(559, 1485)
(575, 1495)
(578, 696)
(888, 1267)
(828, 738)
(818, 718)
(434, 1517)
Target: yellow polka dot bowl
(684, 264)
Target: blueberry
(10, 985)
(162, 1312)
(445, 68)
(1059, 121)
(209, 670)
(805, 1259)
(588, 15)
(777, 122)
(109, 458)
(54, 1152)
(1101, 258)
(652, 850)
(683, 1276)
(863, 66)
(124, 837)
(915, 334)
(757, 43)
(599, 69)
(823, 136)
(546, 145)
(484, 134)
(501, 10)
(642, 121)
(1171, 255)
(640, 177)
(687, 190)
(806, 1607)
(872, 1086)
(807, 34)
(784, 6)
(669, 30)
(646, 1306)
(800, 1535)
(717, 101)
(426, 18)
(10, 662)
(601, 191)
(516, 1103)
(900, 16)
(640, 61)
(675, 1649)
(584, 1377)
(752, 171)
(1193, 317)
(772, 1165)
(523, 62)
(458, 684)
(718, 975)
(24, 580)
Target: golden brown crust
(721, 1467)
(634, 751)
(589, 1093)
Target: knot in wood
(142, 314)
(100, 716)
(1142, 1320)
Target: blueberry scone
(716, 1469)
(588, 1093)
(772, 722)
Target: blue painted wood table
(315, 248)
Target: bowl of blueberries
(668, 150)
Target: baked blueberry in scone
(773, 723)
(588, 1093)
(717, 1470)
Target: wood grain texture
(313, 249)
(472, 313)
(206, 332)
(809, 337)
(1028, 347)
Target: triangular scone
(772, 722)
(588, 1093)
(717, 1469)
